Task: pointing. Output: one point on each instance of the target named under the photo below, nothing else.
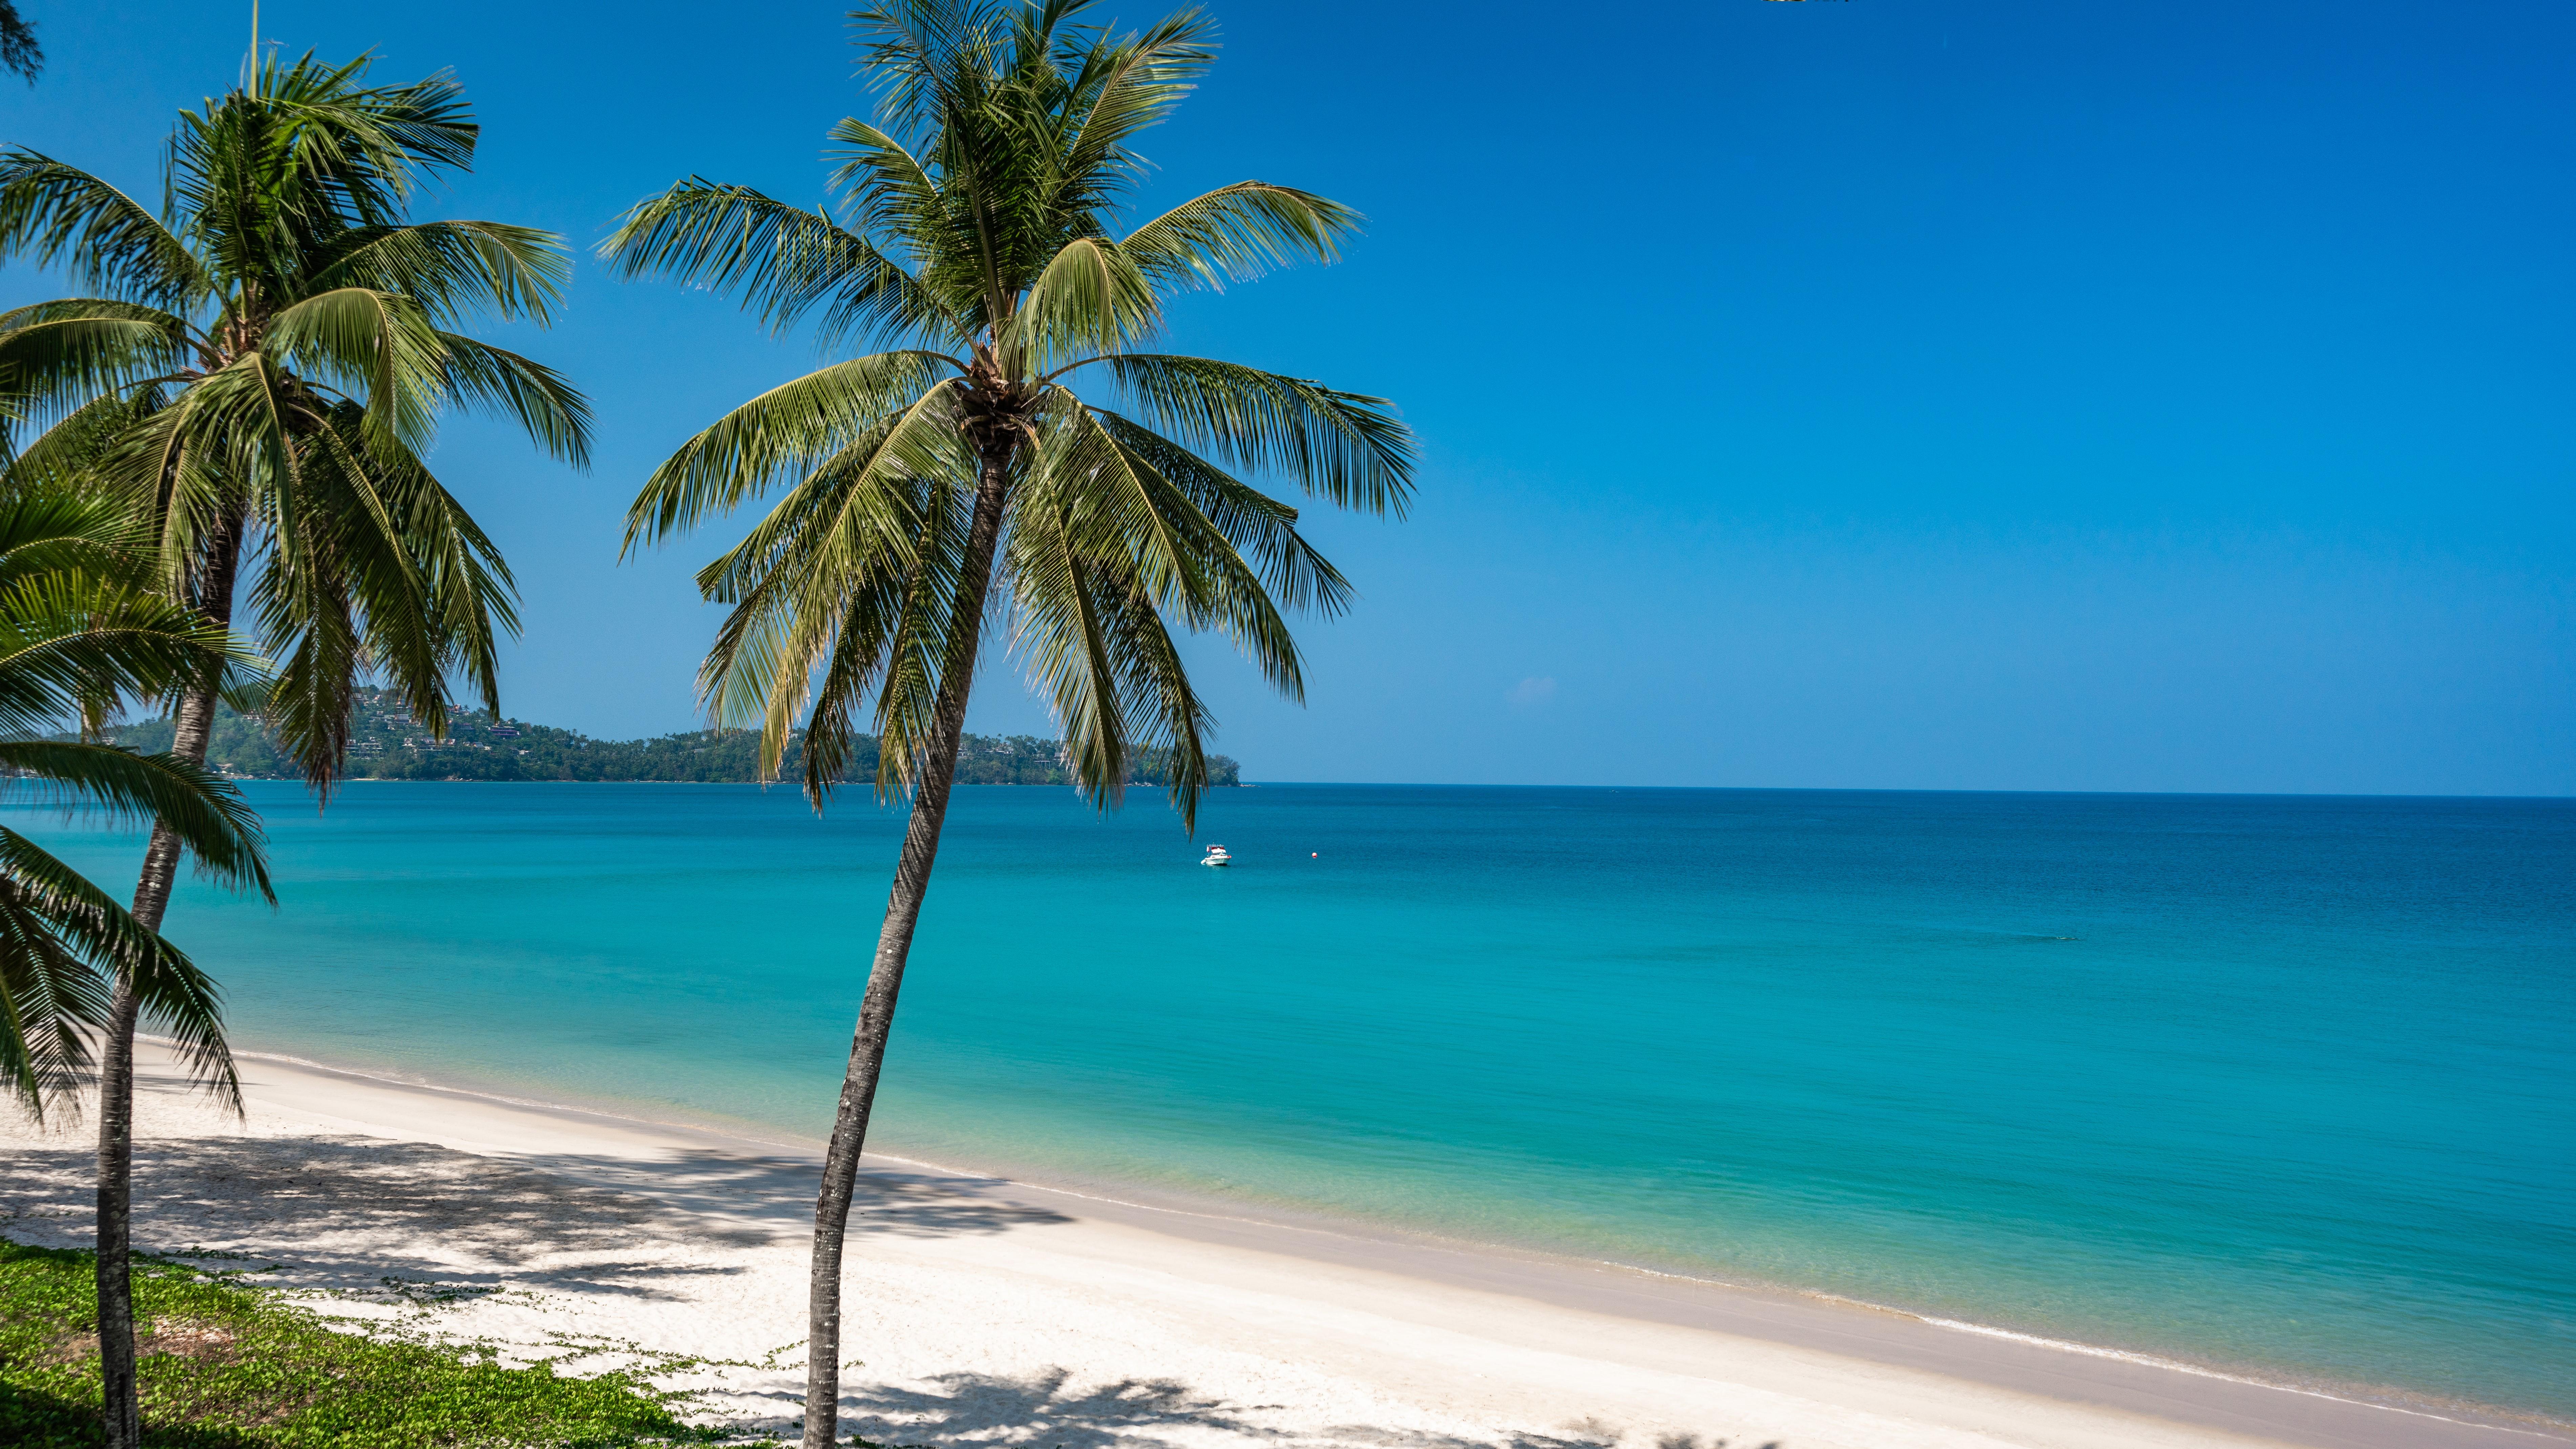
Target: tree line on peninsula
(385, 743)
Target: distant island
(385, 743)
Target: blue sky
(1897, 393)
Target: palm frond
(57, 356)
(206, 811)
(1259, 526)
(373, 563)
(59, 215)
(536, 397)
(452, 268)
(51, 1000)
(52, 529)
(67, 456)
(331, 147)
(1092, 298)
(922, 659)
(191, 464)
(1348, 447)
(1122, 88)
(179, 463)
(783, 262)
(1122, 514)
(831, 580)
(381, 346)
(889, 192)
(51, 917)
(67, 639)
(1097, 648)
(787, 432)
(920, 52)
(19, 49)
(1239, 233)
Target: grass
(225, 1365)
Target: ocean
(2279, 1086)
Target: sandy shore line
(997, 1313)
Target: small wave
(2093, 1350)
(2149, 1360)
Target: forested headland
(387, 743)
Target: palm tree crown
(273, 352)
(977, 228)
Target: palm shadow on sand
(342, 1213)
(1046, 1411)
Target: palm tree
(268, 359)
(81, 625)
(962, 473)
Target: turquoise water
(2277, 1084)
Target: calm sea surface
(2279, 1084)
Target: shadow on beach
(351, 1214)
(1049, 1410)
(415, 1224)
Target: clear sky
(1911, 393)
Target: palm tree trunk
(121, 1407)
(894, 946)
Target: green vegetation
(227, 1366)
(387, 744)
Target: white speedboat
(1216, 856)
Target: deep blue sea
(2282, 1085)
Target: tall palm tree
(967, 471)
(271, 355)
(81, 625)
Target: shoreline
(1652, 1353)
(1165, 1209)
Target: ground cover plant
(224, 1364)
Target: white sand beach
(987, 1312)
